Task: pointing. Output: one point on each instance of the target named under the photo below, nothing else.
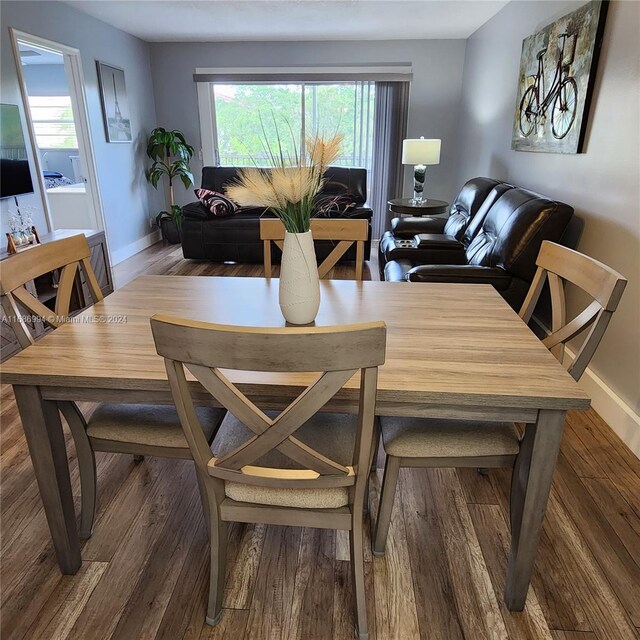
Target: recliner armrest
(438, 242)
(461, 274)
(195, 211)
(411, 226)
(396, 270)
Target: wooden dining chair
(136, 429)
(299, 468)
(345, 232)
(68, 256)
(429, 442)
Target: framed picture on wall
(557, 73)
(115, 105)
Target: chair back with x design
(557, 265)
(336, 354)
(68, 255)
(342, 231)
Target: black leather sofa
(492, 236)
(236, 238)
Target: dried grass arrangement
(290, 187)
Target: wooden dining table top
(453, 344)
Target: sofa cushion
(197, 211)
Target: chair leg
(366, 505)
(218, 530)
(205, 502)
(387, 496)
(376, 450)
(86, 466)
(138, 458)
(356, 538)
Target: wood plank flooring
(145, 570)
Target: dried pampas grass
(290, 187)
(254, 189)
(323, 152)
(294, 184)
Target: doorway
(52, 88)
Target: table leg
(530, 487)
(45, 439)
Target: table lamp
(420, 152)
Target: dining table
(453, 351)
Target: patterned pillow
(217, 203)
(333, 206)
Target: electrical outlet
(152, 222)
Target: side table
(428, 207)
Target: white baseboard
(611, 407)
(606, 402)
(129, 250)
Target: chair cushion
(436, 438)
(330, 498)
(154, 425)
(332, 435)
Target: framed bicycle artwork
(557, 73)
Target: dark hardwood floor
(145, 569)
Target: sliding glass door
(247, 114)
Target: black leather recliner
(236, 238)
(499, 245)
(466, 214)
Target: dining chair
(426, 442)
(136, 429)
(343, 231)
(299, 468)
(69, 256)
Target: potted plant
(171, 155)
(289, 190)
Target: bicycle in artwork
(562, 96)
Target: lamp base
(419, 175)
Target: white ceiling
(272, 20)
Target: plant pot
(169, 231)
(299, 282)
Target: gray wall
(435, 91)
(602, 184)
(127, 198)
(50, 80)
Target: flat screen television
(15, 175)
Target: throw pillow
(217, 203)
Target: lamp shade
(420, 151)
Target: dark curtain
(390, 129)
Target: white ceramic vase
(299, 282)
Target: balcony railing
(262, 160)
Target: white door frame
(209, 153)
(75, 77)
